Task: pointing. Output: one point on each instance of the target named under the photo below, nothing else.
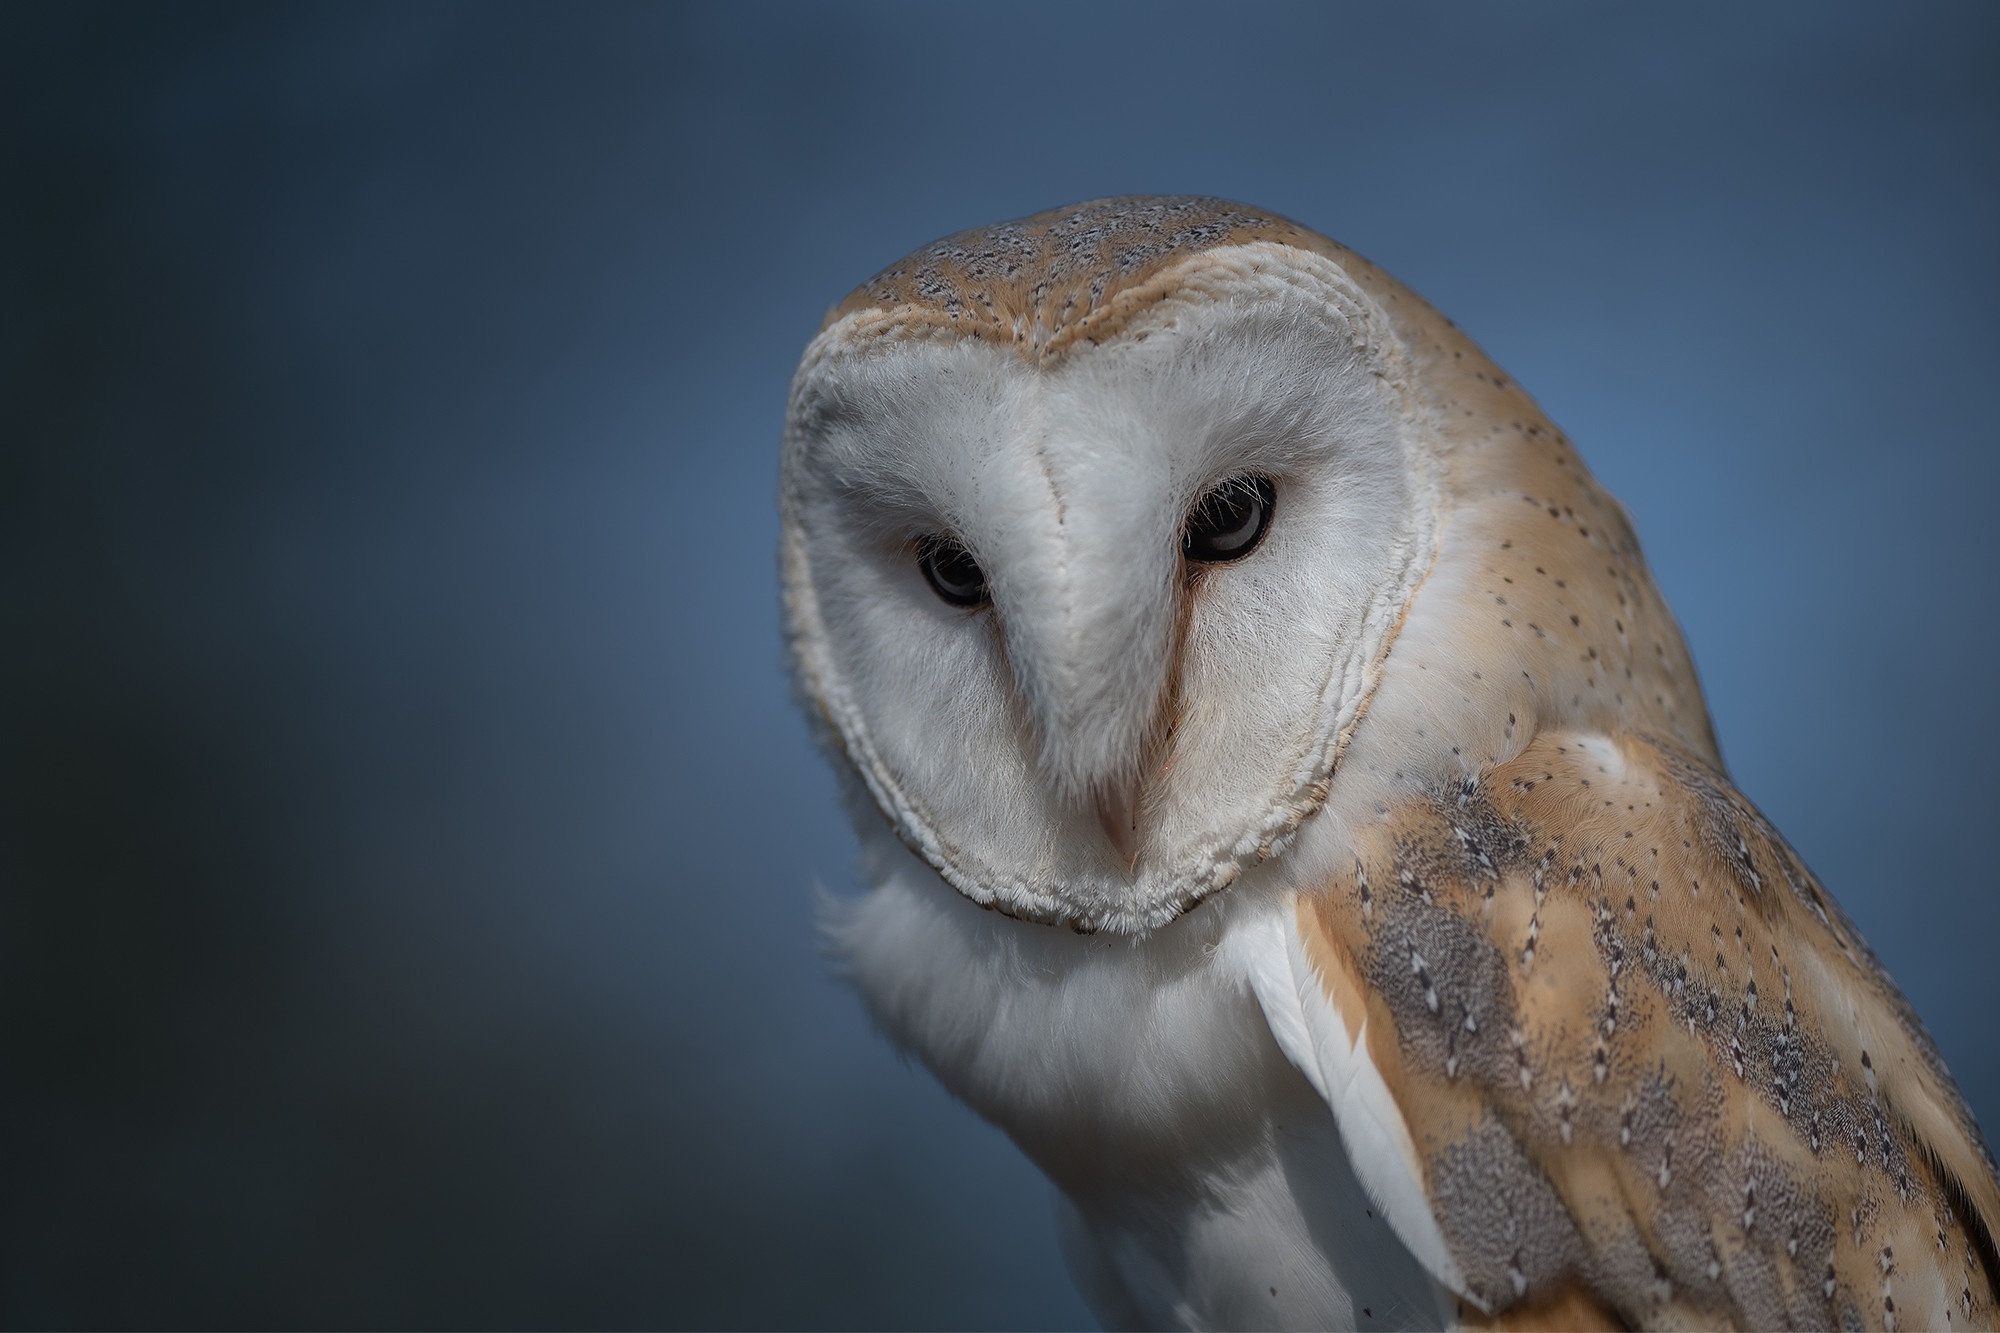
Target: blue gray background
(407, 836)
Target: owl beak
(1097, 702)
(1118, 816)
(1090, 627)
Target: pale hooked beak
(1119, 807)
(1118, 816)
(1085, 577)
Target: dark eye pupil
(1230, 520)
(952, 573)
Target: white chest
(1206, 1184)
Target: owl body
(1293, 817)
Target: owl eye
(952, 572)
(1228, 522)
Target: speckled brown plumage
(1638, 1046)
(1068, 275)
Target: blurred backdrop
(407, 840)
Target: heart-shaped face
(1091, 617)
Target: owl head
(1100, 526)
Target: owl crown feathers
(1047, 282)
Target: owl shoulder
(1632, 1049)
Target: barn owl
(1291, 815)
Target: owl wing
(1601, 1047)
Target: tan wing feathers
(1570, 1306)
(1638, 1048)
